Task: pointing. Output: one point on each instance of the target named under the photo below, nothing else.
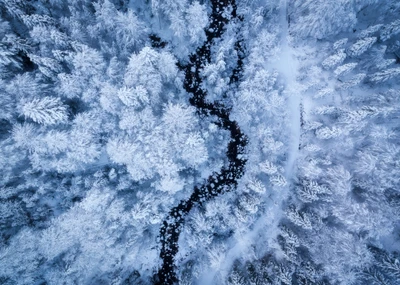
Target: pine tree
(46, 110)
(7, 102)
(344, 69)
(300, 219)
(361, 46)
(197, 19)
(382, 76)
(334, 60)
(142, 70)
(323, 19)
(8, 56)
(390, 30)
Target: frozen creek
(226, 179)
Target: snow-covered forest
(204, 142)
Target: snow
(241, 246)
(287, 65)
(99, 147)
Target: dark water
(226, 179)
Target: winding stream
(226, 179)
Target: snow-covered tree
(99, 141)
(361, 46)
(46, 110)
(197, 19)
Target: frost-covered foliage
(48, 110)
(98, 141)
(93, 116)
(321, 19)
(182, 23)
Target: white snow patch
(287, 65)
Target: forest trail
(288, 66)
(226, 179)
